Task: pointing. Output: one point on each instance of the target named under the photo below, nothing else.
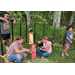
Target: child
(68, 39)
(33, 52)
(30, 37)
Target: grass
(49, 31)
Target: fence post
(12, 31)
(20, 27)
(1, 42)
(44, 29)
(34, 31)
(26, 30)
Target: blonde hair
(34, 45)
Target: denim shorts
(13, 57)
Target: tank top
(50, 50)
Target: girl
(68, 39)
(30, 37)
(33, 52)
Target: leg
(31, 59)
(66, 48)
(18, 60)
(30, 46)
(14, 57)
(7, 42)
(45, 54)
(23, 55)
(40, 52)
(35, 58)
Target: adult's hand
(14, 21)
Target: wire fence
(40, 29)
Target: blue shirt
(70, 36)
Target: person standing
(5, 28)
(30, 36)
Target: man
(5, 28)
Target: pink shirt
(50, 50)
(34, 53)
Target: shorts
(5, 36)
(67, 44)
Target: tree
(28, 17)
(57, 17)
(71, 17)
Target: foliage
(39, 15)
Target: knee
(25, 55)
(38, 49)
(19, 56)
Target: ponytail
(19, 38)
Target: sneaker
(66, 54)
(62, 55)
(42, 57)
(29, 62)
(7, 48)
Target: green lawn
(56, 52)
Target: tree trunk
(28, 17)
(71, 17)
(57, 17)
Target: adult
(46, 49)
(15, 51)
(5, 28)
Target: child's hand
(74, 39)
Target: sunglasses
(7, 16)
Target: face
(31, 32)
(43, 40)
(33, 46)
(70, 29)
(21, 41)
(6, 16)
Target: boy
(5, 28)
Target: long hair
(19, 38)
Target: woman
(15, 51)
(46, 50)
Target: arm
(4, 19)
(68, 39)
(73, 38)
(29, 37)
(33, 50)
(14, 21)
(73, 32)
(48, 47)
(20, 51)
